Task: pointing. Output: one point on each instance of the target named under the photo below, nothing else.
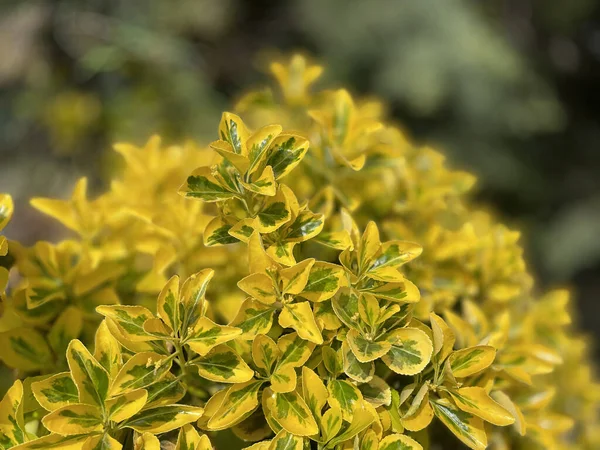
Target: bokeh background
(510, 89)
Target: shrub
(283, 296)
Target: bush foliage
(317, 283)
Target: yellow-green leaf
(343, 395)
(443, 338)
(224, 365)
(466, 427)
(292, 413)
(363, 415)
(24, 348)
(163, 418)
(295, 351)
(358, 371)
(314, 391)
(284, 379)
(107, 350)
(190, 439)
(324, 281)
(265, 353)
(147, 441)
(92, 380)
(130, 320)
(273, 214)
(345, 305)
(294, 278)
(299, 316)
(202, 184)
(367, 350)
(166, 391)
(285, 153)
(103, 442)
(124, 406)
(12, 425)
(141, 370)
(469, 361)
(476, 401)
(206, 335)
(167, 304)
(399, 442)
(260, 287)
(56, 391)
(239, 402)
(55, 441)
(193, 298)
(410, 351)
(253, 318)
(74, 419)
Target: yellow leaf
(126, 405)
(469, 361)
(300, 317)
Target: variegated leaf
(92, 380)
(206, 335)
(466, 427)
(130, 320)
(343, 395)
(141, 370)
(292, 413)
(237, 404)
(25, 349)
(475, 400)
(107, 350)
(74, 419)
(410, 351)
(324, 281)
(299, 316)
(469, 361)
(124, 406)
(163, 418)
(56, 391)
(399, 442)
(224, 365)
(285, 153)
(253, 318)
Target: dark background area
(508, 89)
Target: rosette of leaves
(245, 187)
(108, 395)
(54, 303)
(182, 327)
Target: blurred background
(510, 89)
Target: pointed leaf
(56, 391)
(126, 405)
(224, 365)
(343, 395)
(203, 185)
(476, 401)
(292, 413)
(239, 402)
(300, 317)
(253, 318)
(90, 377)
(466, 427)
(74, 419)
(141, 370)
(207, 335)
(324, 281)
(471, 360)
(163, 418)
